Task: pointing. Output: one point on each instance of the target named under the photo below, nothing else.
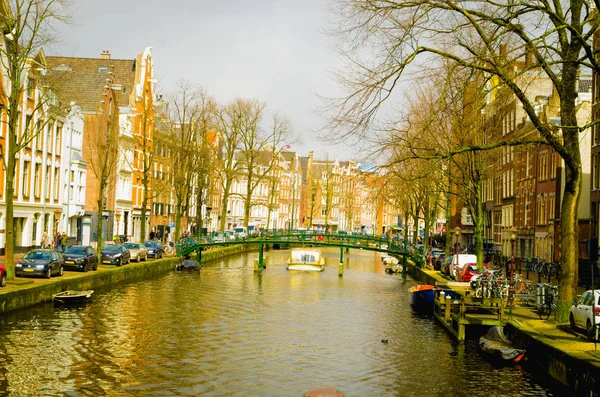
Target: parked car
(155, 249)
(115, 255)
(80, 257)
(229, 235)
(585, 311)
(2, 275)
(138, 252)
(241, 232)
(40, 262)
(437, 264)
(457, 262)
(469, 271)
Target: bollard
(448, 310)
(341, 269)
(256, 265)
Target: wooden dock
(466, 311)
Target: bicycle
(168, 249)
(549, 305)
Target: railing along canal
(392, 246)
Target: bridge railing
(393, 246)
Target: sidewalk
(566, 355)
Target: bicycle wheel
(544, 311)
(479, 292)
(487, 292)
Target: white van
(241, 232)
(456, 266)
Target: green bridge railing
(393, 247)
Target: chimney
(105, 54)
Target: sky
(276, 51)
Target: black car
(115, 255)
(155, 249)
(80, 257)
(40, 262)
(439, 260)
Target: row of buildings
(523, 185)
(57, 184)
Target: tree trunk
(99, 225)
(226, 190)
(178, 216)
(478, 220)
(143, 214)
(568, 273)
(9, 227)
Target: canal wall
(23, 293)
(579, 375)
(576, 371)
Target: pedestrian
(57, 241)
(63, 241)
(45, 239)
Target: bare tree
(205, 145)
(144, 158)
(26, 27)
(229, 124)
(101, 149)
(185, 119)
(261, 151)
(555, 38)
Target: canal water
(228, 331)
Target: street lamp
(511, 285)
(455, 262)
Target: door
(580, 314)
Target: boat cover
(188, 265)
(497, 344)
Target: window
(551, 206)
(39, 135)
(56, 179)
(595, 170)
(27, 132)
(30, 87)
(543, 167)
(553, 165)
(48, 171)
(49, 137)
(26, 178)
(37, 181)
(57, 139)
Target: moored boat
(422, 296)
(306, 260)
(72, 297)
(499, 348)
(188, 264)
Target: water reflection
(228, 331)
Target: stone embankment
(24, 292)
(554, 349)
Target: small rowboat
(72, 297)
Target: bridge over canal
(302, 238)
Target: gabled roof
(83, 79)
